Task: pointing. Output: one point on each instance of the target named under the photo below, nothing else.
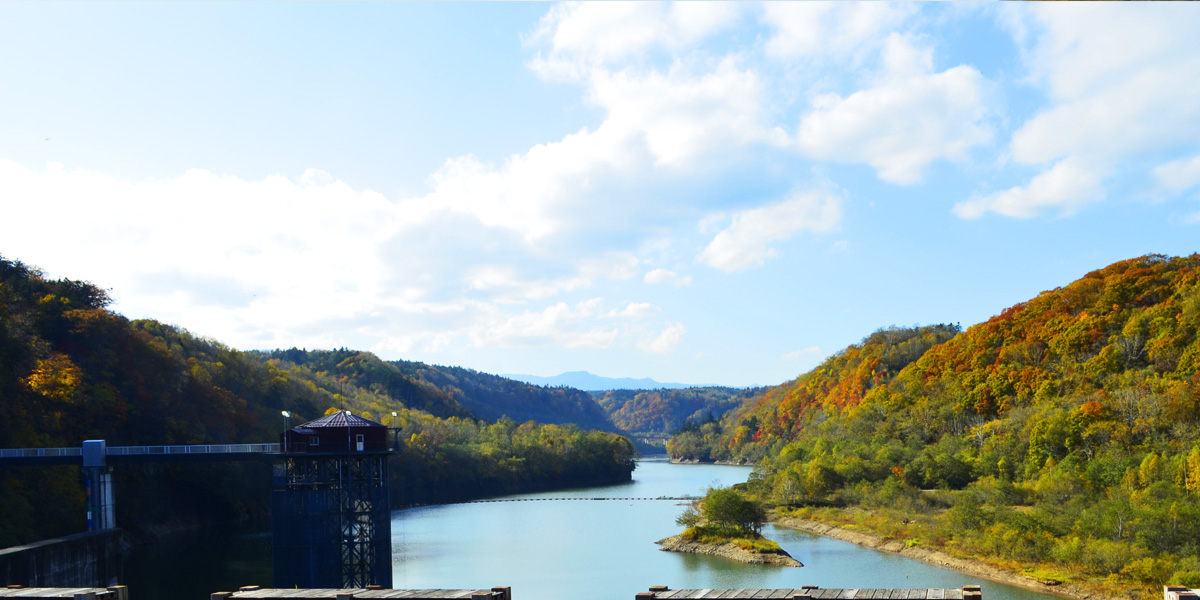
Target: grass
(922, 530)
(746, 540)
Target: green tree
(728, 508)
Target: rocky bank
(729, 550)
(941, 559)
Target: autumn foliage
(1063, 433)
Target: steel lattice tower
(330, 516)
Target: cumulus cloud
(633, 310)
(657, 276)
(1064, 189)
(154, 240)
(747, 241)
(652, 118)
(665, 341)
(1121, 82)
(579, 36)
(1179, 175)
(909, 119)
(307, 261)
(679, 115)
(804, 29)
(559, 324)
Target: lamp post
(395, 433)
(287, 426)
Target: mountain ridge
(589, 382)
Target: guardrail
(196, 449)
(68, 456)
(39, 452)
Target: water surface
(569, 547)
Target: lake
(554, 549)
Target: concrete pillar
(101, 509)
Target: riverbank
(696, 461)
(729, 550)
(939, 558)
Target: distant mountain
(582, 380)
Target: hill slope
(662, 412)
(1063, 433)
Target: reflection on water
(194, 564)
(550, 550)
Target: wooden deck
(31, 593)
(497, 593)
(815, 593)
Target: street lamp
(287, 425)
(396, 433)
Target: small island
(728, 524)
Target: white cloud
(746, 242)
(666, 276)
(665, 341)
(668, 118)
(233, 255)
(841, 28)
(1179, 175)
(911, 117)
(506, 285)
(634, 310)
(679, 115)
(579, 36)
(558, 324)
(527, 192)
(1121, 80)
(1065, 188)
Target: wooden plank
(937, 594)
(848, 594)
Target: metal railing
(39, 452)
(74, 455)
(196, 449)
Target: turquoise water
(552, 549)
(549, 550)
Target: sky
(701, 193)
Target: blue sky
(698, 193)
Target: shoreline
(696, 461)
(729, 550)
(939, 558)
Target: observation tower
(330, 517)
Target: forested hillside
(71, 370)
(1060, 436)
(490, 397)
(450, 391)
(662, 412)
